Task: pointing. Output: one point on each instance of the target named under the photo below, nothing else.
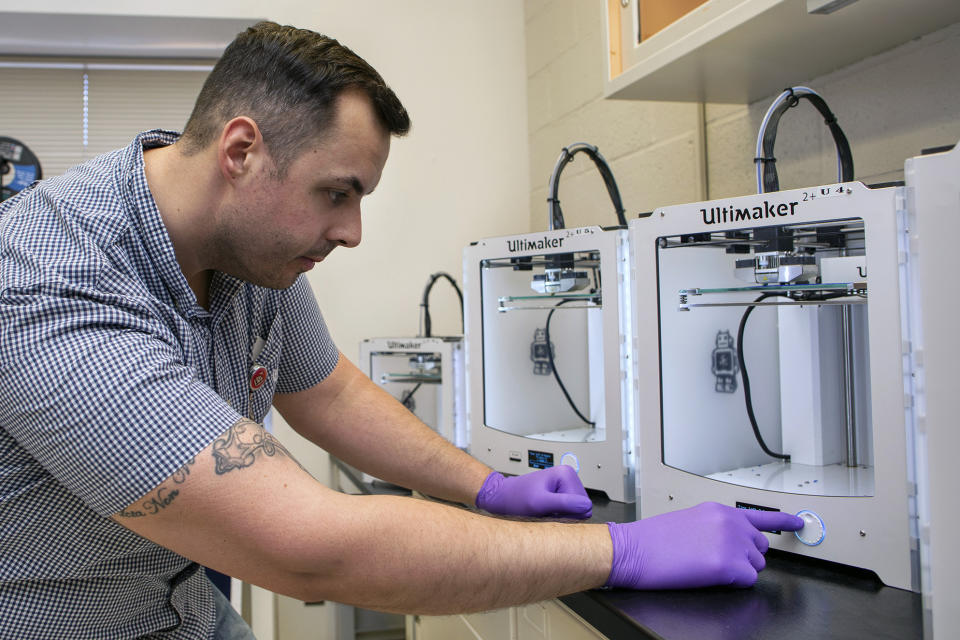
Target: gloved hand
(707, 545)
(554, 491)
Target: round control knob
(570, 460)
(813, 532)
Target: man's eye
(336, 197)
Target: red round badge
(258, 375)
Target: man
(153, 309)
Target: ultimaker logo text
(396, 344)
(534, 245)
(719, 215)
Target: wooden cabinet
(739, 51)
(654, 15)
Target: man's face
(277, 228)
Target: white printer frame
(877, 531)
(450, 419)
(932, 230)
(606, 464)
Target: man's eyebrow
(354, 183)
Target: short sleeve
(96, 390)
(309, 353)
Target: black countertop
(794, 599)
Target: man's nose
(349, 231)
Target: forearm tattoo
(242, 444)
(239, 447)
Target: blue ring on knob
(823, 528)
(576, 460)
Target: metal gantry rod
(850, 413)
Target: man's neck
(200, 283)
(181, 192)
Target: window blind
(69, 111)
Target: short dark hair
(286, 79)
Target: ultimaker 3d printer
(426, 375)
(802, 288)
(547, 339)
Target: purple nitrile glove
(707, 545)
(554, 491)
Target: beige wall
(890, 106)
(461, 174)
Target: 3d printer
(548, 338)
(548, 346)
(802, 290)
(426, 375)
(771, 338)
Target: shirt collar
(145, 216)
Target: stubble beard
(228, 252)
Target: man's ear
(239, 147)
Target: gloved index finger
(566, 480)
(773, 520)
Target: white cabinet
(442, 628)
(490, 625)
(296, 620)
(551, 620)
(738, 51)
(548, 620)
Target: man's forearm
(363, 425)
(414, 556)
(410, 454)
(245, 507)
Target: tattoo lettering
(152, 505)
(239, 446)
(180, 475)
(160, 501)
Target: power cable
(425, 302)
(553, 368)
(553, 188)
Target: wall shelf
(90, 35)
(739, 51)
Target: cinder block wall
(891, 106)
(652, 147)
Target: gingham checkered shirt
(111, 379)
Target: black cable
(813, 297)
(554, 368)
(408, 395)
(746, 381)
(425, 304)
(767, 169)
(566, 156)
